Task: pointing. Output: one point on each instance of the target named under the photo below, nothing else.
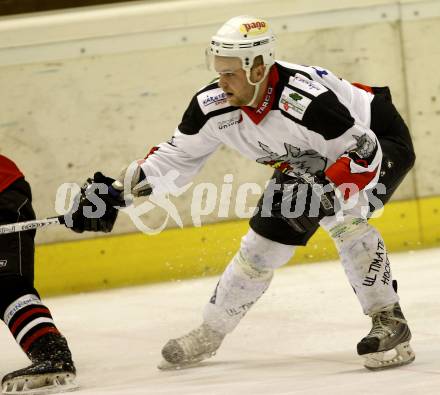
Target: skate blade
(399, 356)
(165, 365)
(40, 384)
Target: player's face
(233, 80)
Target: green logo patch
(295, 96)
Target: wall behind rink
(92, 89)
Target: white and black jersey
(309, 120)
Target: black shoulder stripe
(300, 91)
(323, 114)
(327, 116)
(285, 73)
(193, 120)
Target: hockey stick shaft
(41, 223)
(30, 225)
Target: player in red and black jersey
(21, 308)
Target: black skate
(52, 369)
(387, 344)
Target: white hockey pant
(365, 260)
(244, 280)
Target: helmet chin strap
(254, 97)
(257, 85)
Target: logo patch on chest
(293, 103)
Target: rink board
(176, 254)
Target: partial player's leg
(269, 244)
(32, 325)
(365, 260)
(244, 281)
(398, 159)
(363, 252)
(28, 319)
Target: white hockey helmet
(244, 37)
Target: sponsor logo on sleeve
(294, 103)
(212, 100)
(312, 87)
(254, 28)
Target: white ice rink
(300, 338)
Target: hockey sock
(365, 260)
(245, 279)
(26, 316)
(239, 287)
(28, 320)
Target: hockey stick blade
(30, 225)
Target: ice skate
(387, 344)
(52, 370)
(190, 349)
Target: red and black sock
(23, 312)
(28, 320)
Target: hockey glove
(97, 206)
(304, 201)
(132, 180)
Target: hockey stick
(42, 223)
(30, 225)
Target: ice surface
(300, 338)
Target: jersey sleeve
(353, 147)
(358, 166)
(174, 163)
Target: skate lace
(384, 324)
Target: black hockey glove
(304, 201)
(96, 204)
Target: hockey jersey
(9, 172)
(308, 120)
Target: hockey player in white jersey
(314, 129)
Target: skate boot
(188, 350)
(387, 344)
(52, 369)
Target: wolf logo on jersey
(294, 161)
